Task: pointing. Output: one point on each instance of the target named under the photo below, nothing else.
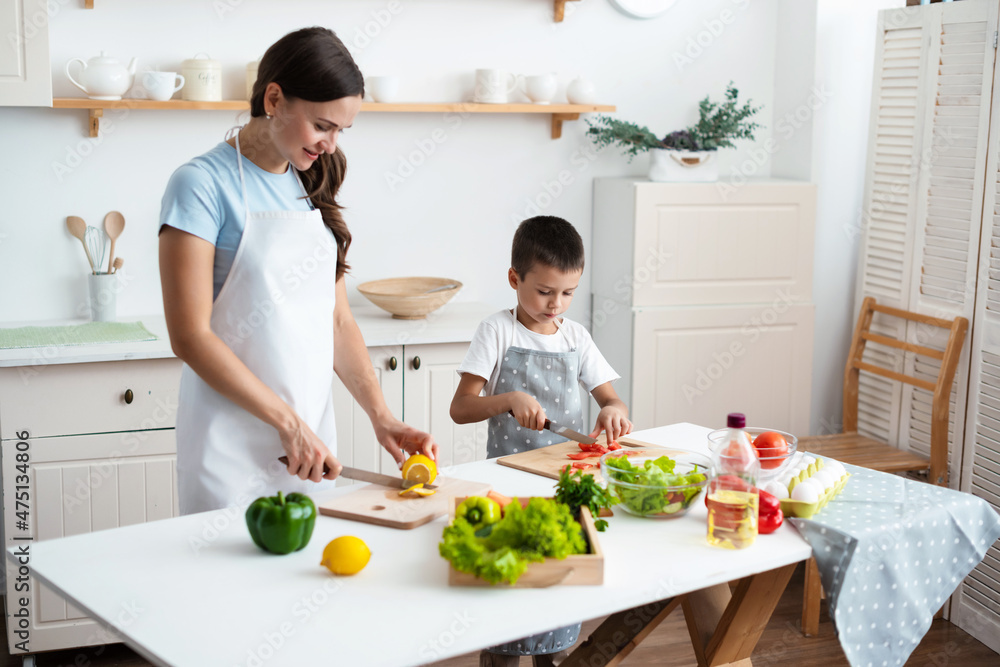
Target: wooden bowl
(409, 298)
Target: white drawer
(73, 399)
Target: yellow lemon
(419, 469)
(346, 555)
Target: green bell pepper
(281, 524)
(479, 511)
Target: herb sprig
(578, 490)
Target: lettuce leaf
(544, 529)
(655, 473)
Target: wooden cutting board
(548, 461)
(383, 506)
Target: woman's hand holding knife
(307, 455)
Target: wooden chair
(856, 449)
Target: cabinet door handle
(128, 396)
(392, 363)
(416, 363)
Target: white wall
(845, 53)
(454, 216)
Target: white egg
(795, 458)
(825, 477)
(809, 459)
(776, 489)
(835, 467)
(806, 492)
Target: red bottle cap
(736, 420)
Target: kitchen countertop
(453, 323)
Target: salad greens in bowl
(654, 484)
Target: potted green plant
(683, 155)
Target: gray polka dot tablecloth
(890, 552)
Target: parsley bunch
(578, 490)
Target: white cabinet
(83, 447)
(697, 364)
(25, 77)
(702, 299)
(418, 382)
(929, 233)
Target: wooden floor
(668, 645)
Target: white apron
(275, 311)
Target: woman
(252, 259)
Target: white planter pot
(667, 164)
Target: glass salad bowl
(655, 484)
(775, 463)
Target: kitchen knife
(569, 433)
(373, 477)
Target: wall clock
(643, 9)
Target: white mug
(161, 86)
(493, 86)
(541, 88)
(383, 88)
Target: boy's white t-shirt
(493, 337)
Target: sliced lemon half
(419, 469)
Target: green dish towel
(90, 333)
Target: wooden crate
(575, 570)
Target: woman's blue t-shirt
(204, 198)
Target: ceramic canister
(203, 79)
(252, 76)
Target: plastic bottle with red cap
(732, 489)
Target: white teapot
(103, 77)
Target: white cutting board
(383, 506)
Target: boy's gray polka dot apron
(548, 377)
(551, 379)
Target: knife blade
(368, 476)
(569, 433)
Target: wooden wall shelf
(558, 112)
(559, 7)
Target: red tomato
(770, 446)
(582, 455)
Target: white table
(195, 590)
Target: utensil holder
(104, 289)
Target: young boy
(532, 363)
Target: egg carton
(802, 509)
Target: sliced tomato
(614, 446)
(589, 448)
(582, 455)
(582, 466)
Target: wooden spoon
(78, 228)
(114, 225)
